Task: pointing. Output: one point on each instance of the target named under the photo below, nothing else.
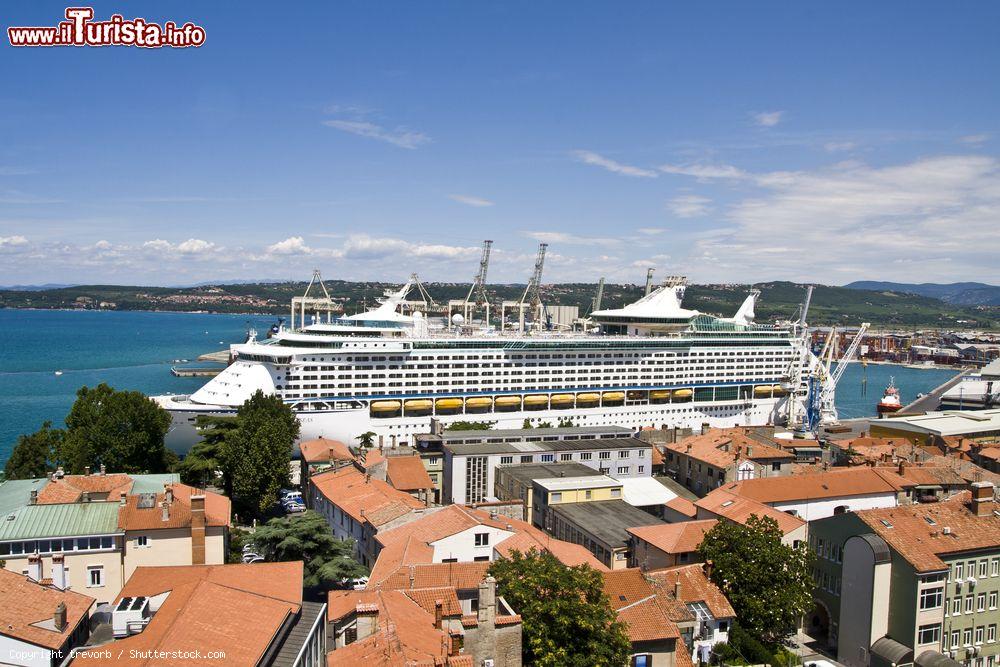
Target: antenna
(649, 280)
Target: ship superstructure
(651, 363)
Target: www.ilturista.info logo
(81, 30)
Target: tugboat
(890, 399)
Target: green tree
(366, 440)
(768, 583)
(307, 538)
(544, 424)
(566, 423)
(469, 426)
(254, 457)
(35, 454)
(200, 464)
(526, 424)
(124, 430)
(566, 616)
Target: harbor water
(135, 350)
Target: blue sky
(729, 141)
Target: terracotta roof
(70, 488)
(27, 609)
(462, 576)
(441, 523)
(657, 456)
(639, 606)
(413, 639)
(683, 506)
(723, 447)
(428, 598)
(407, 473)
(626, 587)
(319, 451)
(866, 443)
(364, 498)
(991, 453)
(695, 587)
(830, 484)
(929, 475)
(132, 517)
(968, 470)
(675, 538)
(726, 504)
(911, 533)
(210, 608)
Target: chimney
(168, 493)
(332, 458)
(35, 567)
(413, 575)
(393, 439)
(59, 572)
(85, 497)
(86, 471)
(705, 428)
(749, 451)
(688, 448)
(438, 613)
(103, 470)
(59, 617)
(59, 473)
(122, 499)
(197, 530)
(707, 568)
(367, 623)
(677, 588)
(165, 508)
(487, 602)
(982, 498)
(902, 465)
(368, 477)
(33, 497)
(427, 497)
(49, 475)
(494, 515)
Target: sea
(135, 350)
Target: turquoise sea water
(135, 350)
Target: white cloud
(471, 201)
(195, 246)
(293, 245)
(400, 136)
(837, 146)
(189, 248)
(11, 241)
(768, 118)
(588, 157)
(650, 231)
(570, 239)
(705, 172)
(974, 139)
(689, 206)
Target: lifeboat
(661, 396)
(536, 402)
(779, 390)
(507, 403)
(562, 401)
(613, 397)
(448, 404)
(586, 400)
(762, 390)
(682, 394)
(418, 405)
(385, 408)
(636, 395)
(478, 404)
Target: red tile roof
(407, 473)
(723, 447)
(683, 506)
(70, 488)
(640, 606)
(724, 503)
(675, 538)
(209, 608)
(364, 498)
(830, 484)
(462, 576)
(695, 587)
(132, 517)
(27, 609)
(321, 450)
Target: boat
(58, 372)
(890, 399)
(389, 370)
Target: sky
(725, 141)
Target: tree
(307, 537)
(544, 424)
(35, 454)
(366, 440)
(566, 616)
(255, 456)
(566, 423)
(124, 430)
(470, 426)
(768, 582)
(526, 424)
(199, 466)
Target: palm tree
(367, 440)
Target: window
(586, 456)
(642, 661)
(954, 639)
(555, 497)
(993, 600)
(482, 539)
(967, 637)
(95, 576)
(623, 453)
(982, 568)
(969, 603)
(526, 458)
(956, 606)
(642, 469)
(642, 453)
(588, 494)
(995, 567)
(568, 456)
(481, 558)
(604, 455)
(958, 571)
(548, 458)
(981, 602)
(616, 493)
(991, 633)
(979, 635)
(350, 635)
(142, 541)
(929, 634)
(930, 598)
(622, 470)
(506, 460)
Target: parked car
(258, 559)
(251, 557)
(291, 507)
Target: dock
(220, 357)
(195, 372)
(932, 400)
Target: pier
(932, 400)
(195, 372)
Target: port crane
(649, 281)
(824, 378)
(317, 304)
(532, 297)
(476, 298)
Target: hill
(965, 294)
(779, 300)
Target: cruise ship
(651, 363)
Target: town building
(716, 456)
(407, 473)
(724, 504)
(668, 544)
(516, 482)
(322, 454)
(470, 469)
(904, 584)
(90, 532)
(713, 613)
(979, 426)
(600, 526)
(40, 624)
(251, 614)
(422, 626)
(654, 619)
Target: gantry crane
(532, 297)
(476, 298)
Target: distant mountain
(962, 294)
(36, 288)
